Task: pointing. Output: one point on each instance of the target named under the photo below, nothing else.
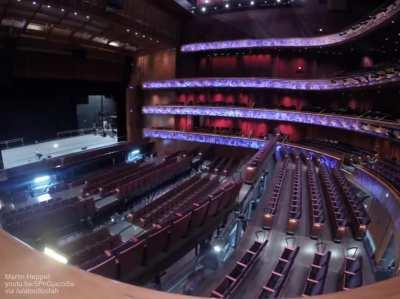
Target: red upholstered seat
(157, 242)
(180, 227)
(130, 258)
(199, 215)
(107, 267)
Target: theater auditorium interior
(200, 149)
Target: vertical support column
(134, 117)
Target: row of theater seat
(335, 206)
(164, 197)
(92, 179)
(123, 177)
(168, 201)
(186, 203)
(295, 201)
(243, 266)
(317, 274)
(155, 177)
(94, 249)
(221, 166)
(317, 217)
(355, 154)
(359, 218)
(381, 14)
(257, 162)
(63, 213)
(352, 275)
(227, 168)
(70, 244)
(49, 219)
(272, 200)
(81, 249)
(387, 171)
(279, 275)
(93, 184)
(12, 215)
(115, 177)
(121, 262)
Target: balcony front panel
(342, 83)
(360, 125)
(233, 141)
(204, 138)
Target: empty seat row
(215, 163)
(352, 275)
(148, 208)
(169, 202)
(95, 248)
(280, 274)
(317, 216)
(112, 184)
(14, 215)
(295, 201)
(272, 198)
(158, 176)
(335, 206)
(256, 163)
(71, 244)
(47, 221)
(221, 168)
(122, 261)
(359, 218)
(317, 274)
(93, 184)
(233, 280)
(389, 172)
(230, 167)
(194, 199)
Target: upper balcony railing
(359, 80)
(356, 31)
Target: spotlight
(217, 249)
(41, 179)
(54, 255)
(44, 197)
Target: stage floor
(27, 154)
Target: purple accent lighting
(205, 138)
(334, 121)
(357, 81)
(344, 36)
(233, 141)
